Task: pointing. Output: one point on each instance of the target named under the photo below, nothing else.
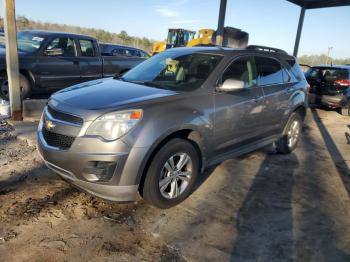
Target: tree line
(101, 35)
(312, 60)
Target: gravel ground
(259, 207)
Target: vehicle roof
(46, 33)
(227, 51)
(333, 66)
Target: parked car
(52, 61)
(120, 50)
(330, 86)
(159, 126)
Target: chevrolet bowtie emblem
(49, 125)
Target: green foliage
(321, 59)
(101, 35)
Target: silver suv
(155, 129)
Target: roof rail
(266, 49)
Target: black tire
(151, 191)
(285, 145)
(345, 111)
(25, 87)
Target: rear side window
(87, 48)
(133, 52)
(144, 54)
(269, 70)
(242, 69)
(120, 51)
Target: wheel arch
(301, 109)
(27, 73)
(189, 134)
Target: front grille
(57, 140)
(64, 116)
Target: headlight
(113, 125)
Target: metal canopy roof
(310, 4)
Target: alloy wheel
(175, 175)
(293, 133)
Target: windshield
(180, 38)
(174, 71)
(29, 42)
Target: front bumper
(74, 164)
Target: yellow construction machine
(232, 37)
(184, 38)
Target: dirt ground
(259, 207)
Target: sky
(268, 22)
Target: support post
(300, 28)
(221, 23)
(12, 60)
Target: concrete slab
(33, 108)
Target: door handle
(256, 99)
(76, 62)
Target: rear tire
(291, 134)
(24, 84)
(167, 182)
(345, 111)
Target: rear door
(277, 91)
(90, 60)
(238, 115)
(57, 66)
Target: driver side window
(61, 46)
(242, 69)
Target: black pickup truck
(50, 61)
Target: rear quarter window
(269, 70)
(295, 70)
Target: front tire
(291, 134)
(24, 85)
(172, 174)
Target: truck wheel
(172, 174)
(291, 134)
(24, 83)
(345, 111)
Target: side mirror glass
(231, 85)
(54, 52)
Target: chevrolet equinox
(156, 128)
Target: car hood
(108, 94)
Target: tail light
(342, 82)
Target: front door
(58, 66)
(238, 118)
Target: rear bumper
(334, 101)
(331, 101)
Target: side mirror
(231, 85)
(54, 52)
